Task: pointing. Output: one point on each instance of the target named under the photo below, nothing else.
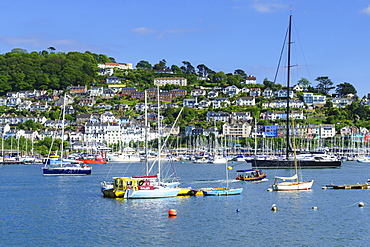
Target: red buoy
(172, 212)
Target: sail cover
(288, 178)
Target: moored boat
(282, 163)
(221, 191)
(291, 185)
(139, 187)
(96, 161)
(66, 170)
(250, 175)
(58, 166)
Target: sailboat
(225, 191)
(311, 160)
(293, 182)
(143, 187)
(59, 166)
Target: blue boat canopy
(247, 170)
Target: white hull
(124, 158)
(161, 192)
(290, 186)
(219, 160)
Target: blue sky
(332, 37)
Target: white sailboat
(59, 166)
(290, 183)
(143, 187)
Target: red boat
(97, 161)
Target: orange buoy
(172, 212)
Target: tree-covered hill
(20, 70)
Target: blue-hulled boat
(54, 166)
(221, 191)
(66, 170)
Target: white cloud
(160, 33)
(144, 30)
(268, 6)
(366, 10)
(37, 42)
(17, 40)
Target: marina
(71, 210)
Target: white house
(3, 100)
(204, 103)
(108, 117)
(220, 103)
(39, 106)
(13, 102)
(113, 80)
(236, 129)
(25, 105)
(243, 101)
(283, 104)
(268, 93)
(278, 115)
(241, 116)
(212, 94)
(95, 91)
(255, 92)
(191, 103)
(283, 93)
(313, 99)
(231, 90)
(107, 71)
(341, 102)
(115, 65)
(323, 130)
(218, 116)
(179, 81)
(251, 80)
(198, 92)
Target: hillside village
(104, 129)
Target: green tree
(241, 73)
(324, 84)
(187, 68)
(219, 78)
(304, 82)
(176, 69)
(143, 65)
(161, 65)
(345, 88)
(19, 50)
(51, 50)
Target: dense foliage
(20, 70)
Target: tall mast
(288, 91)
(146, 133)
(63, 117)
(159, 137)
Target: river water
(70, 211)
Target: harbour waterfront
(70, 211)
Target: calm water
(70, 211)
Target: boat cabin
(250, 175)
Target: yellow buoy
(274, 208)
(361, 204)
(229, 168)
